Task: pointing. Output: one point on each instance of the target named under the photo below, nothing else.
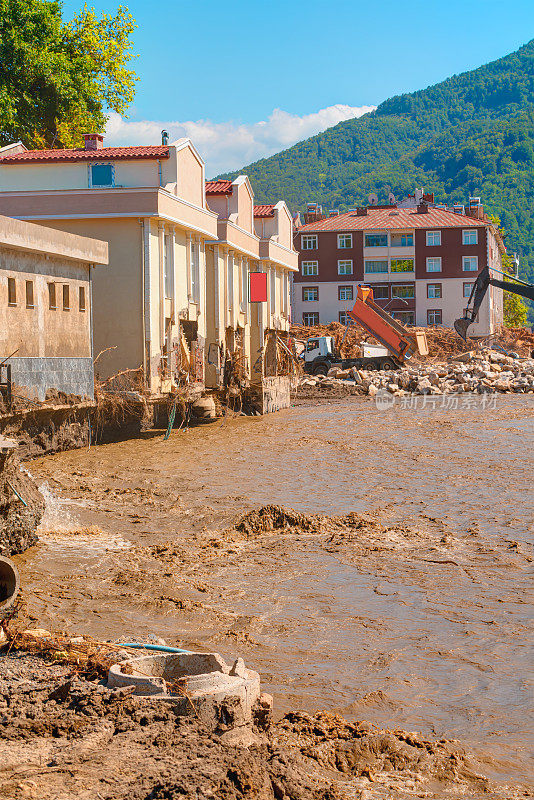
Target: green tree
(58, 78)
(515, 310)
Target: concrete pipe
(9, 584)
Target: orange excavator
(397, 343)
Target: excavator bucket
(461, 325)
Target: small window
(310, 318)
(402, 240)
(345, 292)
(310, 293)
(81, 298)
(468, 288)
(433, 265)
(344, 241)
(52, 302)
(402, 265)
(433, 290)
(66, 297)
(433, 316)
(344, 318)
(375, 266)
(309, 242)
(310, 268)
(11, 292)
(403, 292)
(29, 294)
(470, 263)
(102, 175)
(470, 236)
(380, 292)
(433, 238)
(376, 240)
(344, 267)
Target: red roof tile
(79, 154)
(264, 211)
(218, 187)
(381, 219)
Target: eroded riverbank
(420, 619)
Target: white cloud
(229, 145)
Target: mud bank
(46, 429)
(21, 504)
(64, 736)
(412, 612)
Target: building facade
(421, 261)
(149, 204)
(174, 305)
(46, 308)
(250, 239)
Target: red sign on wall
(258, 287)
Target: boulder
(424, 386)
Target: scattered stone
(485, 371)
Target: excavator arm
(478, 292)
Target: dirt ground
(64, 737)
(401, 596)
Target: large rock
(424, 386)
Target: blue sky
(246, 79)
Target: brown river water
(422, 622)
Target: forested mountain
(472, 134)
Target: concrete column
(188, 266)
(161, 299)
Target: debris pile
(21, 503)
(442, 342)
(486, 371)
(269, 519)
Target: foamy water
(60, 529)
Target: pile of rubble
(443, 342)
(485, 371)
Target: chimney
(477, 212)
(418, 194)
(422, 208)
(164, 138)
(93, 141)
(314, 213)
(361, 211)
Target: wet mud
(399, 592)
(65, 737)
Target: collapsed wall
(21, 503)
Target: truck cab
(319, 355)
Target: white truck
(396, 342)
(319, 355)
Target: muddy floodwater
(422, 621)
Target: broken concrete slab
(196, 683)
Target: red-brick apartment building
(420, 259)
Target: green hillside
(473, 134)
